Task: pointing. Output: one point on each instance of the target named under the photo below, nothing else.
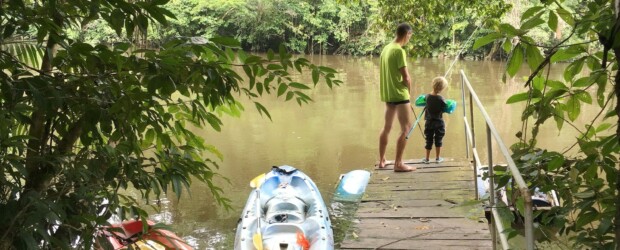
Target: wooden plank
(428, 177)
(387, 244)
(447, 161)
(476, 225)
(415, 212)
(427, 186)
(409, 203)
(419, 194)
(418, 210)
(424, 234)
(431, 167)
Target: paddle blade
(302, 241)
(257, 181)
(258, 241)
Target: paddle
(414, 124)
(257, 239)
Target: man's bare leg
(390, 112)
(402, 111)
(437, 152)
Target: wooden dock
(419, 210)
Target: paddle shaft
(415, 124)
(258, 237)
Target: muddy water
(337, 133)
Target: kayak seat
(285, 210)
(275, 236)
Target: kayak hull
(285, 211)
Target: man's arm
(406, 78)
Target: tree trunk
(491, 54)
(39, 172)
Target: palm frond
(28, 52)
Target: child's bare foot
(403, 168)
(382, 163)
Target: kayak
(128, 235)
(284, 211)
(351, 186)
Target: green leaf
(573, 108)
(487, 39)
(507, 45)
(518, 98)
(573, 69)
(157, 15)
(553, 21)
(270, 55)
(533, 56)
(531, 12)
(605, 224)
(289, 95)
(586, 218)
(282, 88)
(282, 51)
(603, 127)
(566, 16)
(315, 76)
(531, 23)
(555, 163)
(149, 136)
(563, 55)
(116, 21)
(516, 59)
(584, 97)
(262, 110)
(559, 115)
(328, 70)
(582, 82)
(298, 85)
(509, 29)
(143, 22)
(538, 83)
(214, 122)
(226, 41)
(556, 84)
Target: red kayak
(129, 233)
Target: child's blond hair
(439, 84)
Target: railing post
(492, 201)
(465, 117)
(529, 219)
(471, 117)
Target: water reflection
(335, 134)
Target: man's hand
(406, 79)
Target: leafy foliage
(587, 183)
(84, 122)
(436, 24)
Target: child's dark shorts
(434, 130)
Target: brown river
(337, 133)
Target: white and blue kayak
(285, 211)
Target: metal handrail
(492, 134)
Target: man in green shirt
(395, 86)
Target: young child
(435, 128)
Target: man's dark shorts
(397, 103)
(434, 129)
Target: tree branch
(548, 58)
